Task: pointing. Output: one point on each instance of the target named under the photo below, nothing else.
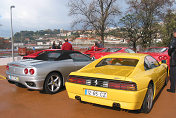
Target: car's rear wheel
(148, 100)
(53, 83)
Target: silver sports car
(46, 72)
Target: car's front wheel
(148, 100)
(53, 83)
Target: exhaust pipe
(78, 98)
(116, 106)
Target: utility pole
(12, 31)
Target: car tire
(148, 100)
(53, 83)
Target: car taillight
(165, 58)
(31, 71)
(160, 58)
(76, 80)
(7, 67)
(123, 85)
(26, 71)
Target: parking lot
(23, 103)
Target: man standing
(67, 45)
(54, 45)
(172, 54)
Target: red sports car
(111, 50)
(33, 55)
(91, 52)
(159, 53)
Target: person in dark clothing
(54, 45)
(67, 45)
(172, 54)
(59, 45)
(100, 44)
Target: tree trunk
(134, 46)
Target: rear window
(118, 62)
(156, 50)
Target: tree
(132, 28)
(166, 29)
(149, 11)
(94, 14)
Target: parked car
(48, 71)
(159, 53)
(34, 55)
(91, 52)
(111, 50)
(127, 81)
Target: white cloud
(34, 15)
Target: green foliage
(167, 28)
(22, 35)
(148, 12)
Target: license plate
(96, 93)
(13, 78)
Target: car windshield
(48, 56)
(118, 62)
(111, 50)
(156, 50)
(104, 50)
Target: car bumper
(131, 100)
(31, 82)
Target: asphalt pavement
(16, 102)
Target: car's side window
(78, 57)
(146, 64)
(150, 62)
(129, 51)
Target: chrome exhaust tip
(116, 106)
(78, 98)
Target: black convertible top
(62, 55)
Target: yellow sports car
(124, 80)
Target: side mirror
(163, 61)
(93, 58)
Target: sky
(35, 15)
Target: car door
(153, 70)
(80, 60)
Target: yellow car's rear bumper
(131, 100)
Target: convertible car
(48, 71)
(111, 50)
(127, 81)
